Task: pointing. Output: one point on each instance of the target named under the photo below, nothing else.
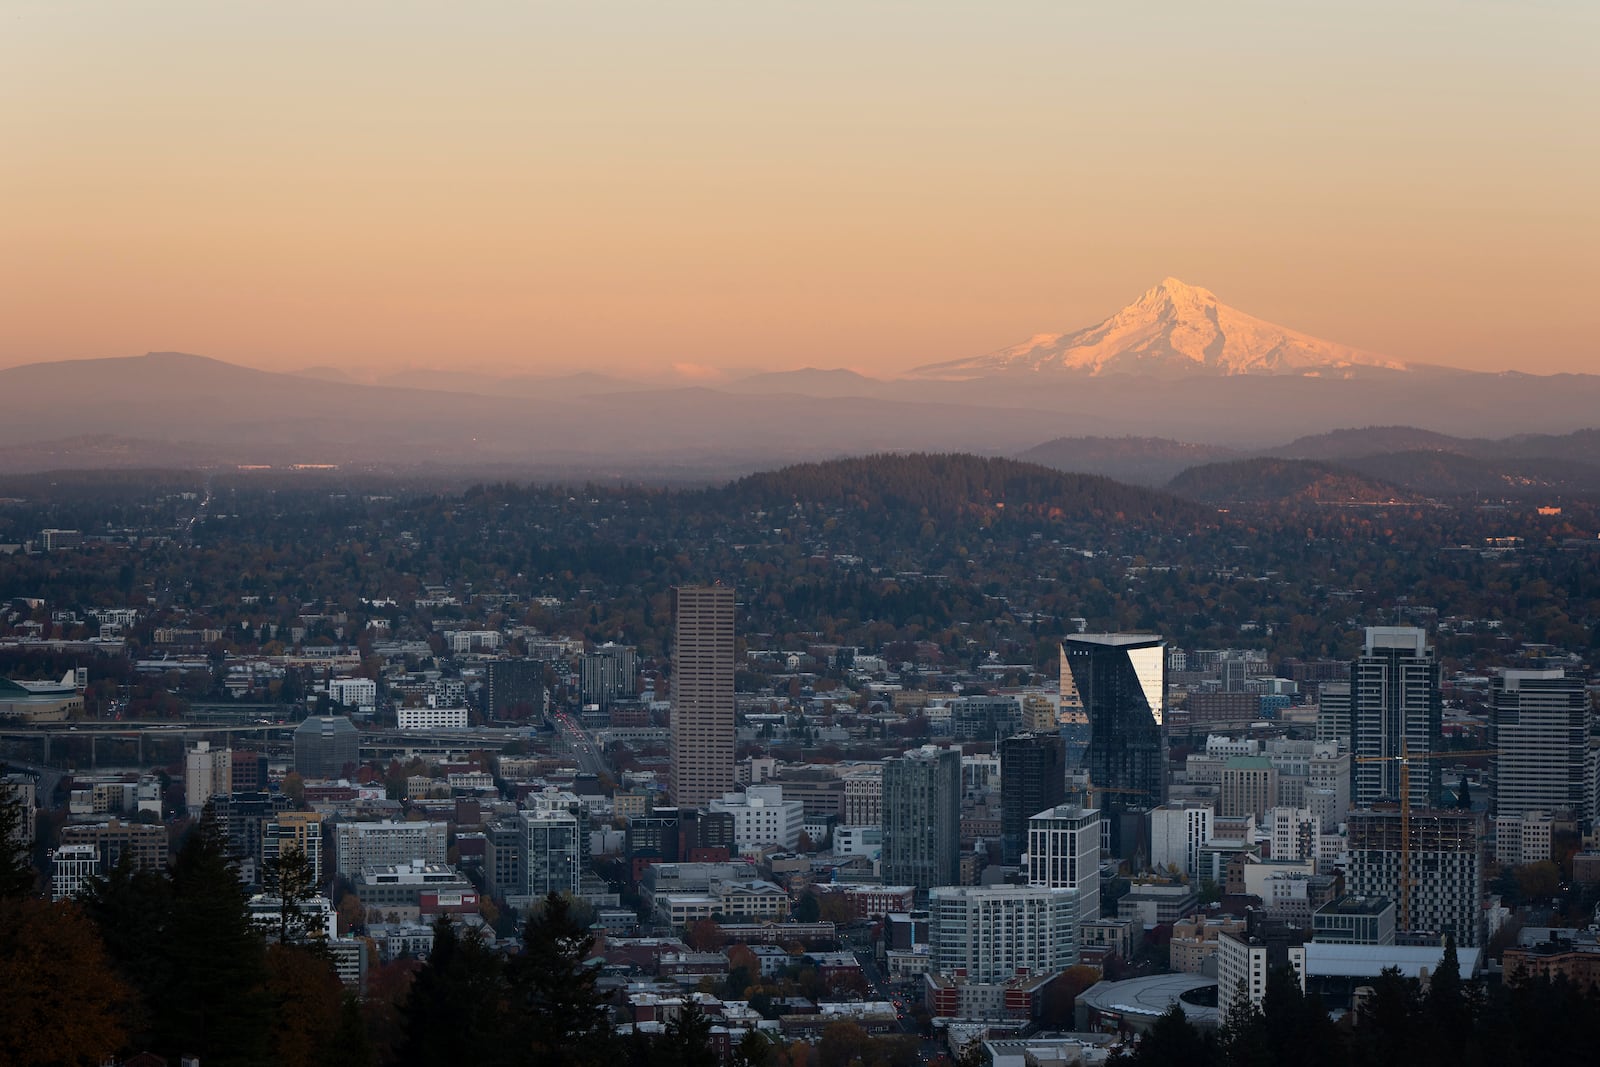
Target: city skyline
(690, 192)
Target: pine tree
(292, 879)
(456, 1009)
(687, 1042)
(131, 907)
(216, 1005)
(1447, 1008)
(560, 1016)
(754, 1050)
(351, 1046)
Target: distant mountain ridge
(178, 410)
(1174, 328)
(1400, 457)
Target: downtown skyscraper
(1540, 728)
(1117, 682)
(922, 818)
(1033, 778)
(1395, 710)
(702, 694)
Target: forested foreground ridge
(170, 963)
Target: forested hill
(1282, 481)
(955, 485)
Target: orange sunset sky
(629, 187)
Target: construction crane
(1405, 759)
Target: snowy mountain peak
(1173, 328)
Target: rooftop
(1151, 997)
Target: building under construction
(1430, 864)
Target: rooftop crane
(1405, 759)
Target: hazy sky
(628, 186)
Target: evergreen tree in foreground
(455, 1011)
(559, 1015)
(216, 1004)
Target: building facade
(1539, 726)
(294, 830)
(1117, 682)
(325, 746)
(761, 816)
(1033, 778)
(1064, 853)
(922, 818)
(387, 844)
(609, 673)
(702, 694)
(207, 772)
(144, 844)
(1177, 833)
(1397, 710)
(994, 933)
(514, 685)
(1441, 892)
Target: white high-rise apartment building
(993, 933)
(762, 817)
(1064, 853)
(1333, 713)
(1177, 834)
(702, 695)
(207, 773)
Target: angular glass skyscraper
(1118, 682)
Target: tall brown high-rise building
(702, 694)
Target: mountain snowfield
(1172, 329)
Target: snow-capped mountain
(1172, 329)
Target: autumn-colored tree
(352, 913)
(307, 998)
(835, 908)
(841, 1043)
(60, 1000)
(704, 935)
